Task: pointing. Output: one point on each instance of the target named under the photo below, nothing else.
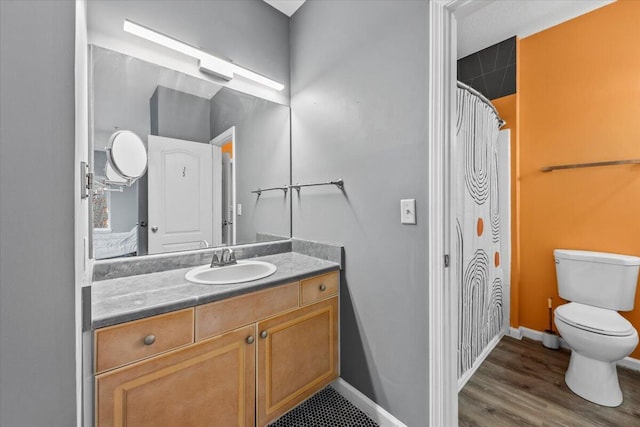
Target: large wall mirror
(208, 148)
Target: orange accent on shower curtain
(479, 227)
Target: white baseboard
(374, 411)
(537, 336)
(487, 350)
(518, 333)
(515, 333)
(629, 363)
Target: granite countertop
(135, 297)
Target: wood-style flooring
(521, 383)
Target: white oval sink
(243, 271)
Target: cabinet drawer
(121, 344)
(222, 316)
(318, 288)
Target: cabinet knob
(249, 339)
(154, 229)
(323, 287)
(149, 339)
(264, 334)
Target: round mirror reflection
(127, 155)
(113, 176)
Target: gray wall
(124, 206)
(112, 104)
(359, 74)
(262, 159)
(179, 115)
(37, 356)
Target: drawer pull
(249, 339)
(323, 287)
(264, 334)
(149, 339)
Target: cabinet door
(297, 356)
(211, 383)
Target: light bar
(207, 63)
(248, 74)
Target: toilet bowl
(598, 339)
(597, 284)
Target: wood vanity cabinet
(297, 356)
(210, 383)
(251, 359)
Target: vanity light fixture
(207, 63)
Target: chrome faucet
(226, 257)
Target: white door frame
(229, 135)
(82, 263)
(443, 292)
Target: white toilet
(598, 284)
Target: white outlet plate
(408, 211)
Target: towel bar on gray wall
(338, 183)
(284, 188)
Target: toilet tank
(597, 278)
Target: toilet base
(594, 380)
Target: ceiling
(288, 7)
(483, 23)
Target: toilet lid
(594, 319)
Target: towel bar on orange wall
(591, 165)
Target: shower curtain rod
(483, 99)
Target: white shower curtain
(478, 263)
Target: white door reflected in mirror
(127, 155)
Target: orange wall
(579, 101)
(507, 108)
(228, 148)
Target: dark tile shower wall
(492, 71)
